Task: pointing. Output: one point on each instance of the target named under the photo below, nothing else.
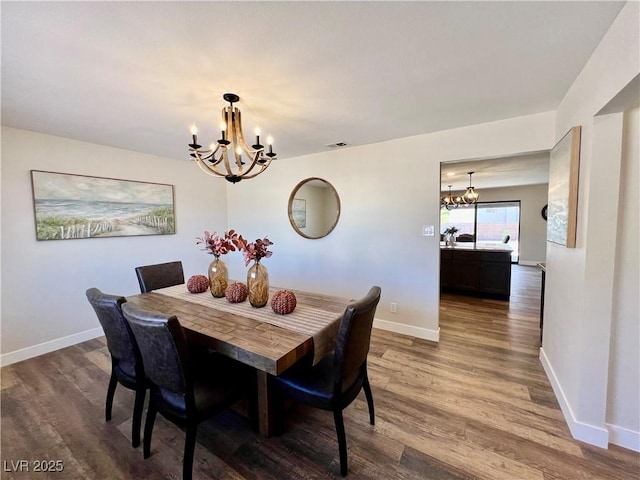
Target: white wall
(580, 297)
(533, 228)
(623, 396)
(43, 283)
(388, 191)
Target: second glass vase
(258, 285)
(218, 277)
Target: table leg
(266, 404)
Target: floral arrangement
(221, 245)
(451, 231)
(254, 251)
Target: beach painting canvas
(69, 206)
(564, 166)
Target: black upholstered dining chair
(126, 363)
(334, 382)
(160, 275)
(183, 390)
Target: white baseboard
(624, 438)
(50, 346)
(584, 432)
(528, 263)
(418, 332)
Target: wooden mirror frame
(290, 207)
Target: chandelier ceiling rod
(231, 138)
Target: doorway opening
(488, 223)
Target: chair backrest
(120, 340)
(152, 277)
(163, 347)
(354, 338)
(466, 237)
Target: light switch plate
(428, 231)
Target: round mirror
(314, 208)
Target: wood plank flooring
(477, 405)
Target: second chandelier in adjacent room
(470, 196)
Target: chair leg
(367, 393)
(137, 416)
(152, 411)
(342, 441)
(189, 447)
(111, 390)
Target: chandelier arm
(208, 154)
(209, 170)
(262, 168)
(239, 135)
(255, 162)
(225, 159)
(236, 126)
(213, 152)
(210, 157)
(215, 162)
(226, 111)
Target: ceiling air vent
(338, 145)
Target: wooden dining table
(257, 337)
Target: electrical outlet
(394, 307)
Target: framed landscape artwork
(299, 212)
(68, 206)
(564, 168)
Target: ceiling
(136, 75)
(531, 169)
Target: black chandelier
(232, 138)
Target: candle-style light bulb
(194, 133)
(257, 145)
(270, 143)
(223, 128)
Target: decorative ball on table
(283, 302)
(236, 292)
(198, 284)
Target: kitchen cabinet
(478, 271)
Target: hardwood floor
(475, 405)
